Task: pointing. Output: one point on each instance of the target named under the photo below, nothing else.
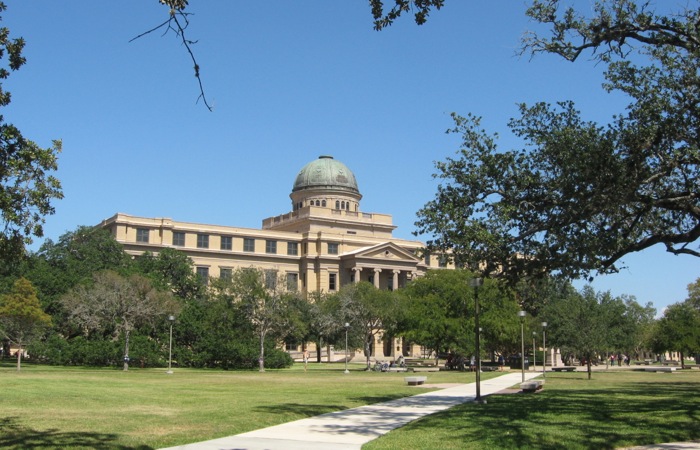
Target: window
(427, 258)
(442, 261)
(226, 243)
(292, 248)
(179, 238)
(323, 203)
(337, 204)
(248, 244)
(202, 241)
(225, 273)
(270, 279)
(203, 274)
(271, 247)
(292, 281)
(332, 248)
(332, 281)
(142, 235)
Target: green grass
(615, 409)
(49, 407)
(55, 407)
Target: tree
(116, 305)
(440, 311)
(580, 196)
(174, 270)
(263, 299)
(679, 330)
(21, 316)
(369, 311)
(581, 323)
(27, 187)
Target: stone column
(395, 280)
(358, 271)
(376, 277)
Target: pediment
(386, 251)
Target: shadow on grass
(298, 409)
(632, 414)
(310, 410)
(13, 435)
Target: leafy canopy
(579, 195)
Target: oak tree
(579, 196)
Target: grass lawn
(56, 407)
(614, 409)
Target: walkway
(351, 428)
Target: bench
(564, 369)
(415, 381)
(532, 385)
(396, 369)
(423, 369)
(659, 369)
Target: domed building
(323, 243)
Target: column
(358, 271)
(376, 277)
(395, 280)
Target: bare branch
(174, 24)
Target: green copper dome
(326, 173)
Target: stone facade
(323, 243)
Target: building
(323, 243)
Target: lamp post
(534, 358)
(475, 283)
(521, 314)
(171, 318)
(347, 326)
(544, 346)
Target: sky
(289, 81)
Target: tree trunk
(261, 360)
(588, 363)
(368, 354)
(19, 358)
(682, 359)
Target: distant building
(323, 243)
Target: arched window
(347, 206)
(337, 204)
(323, 203)
(318, 203)
(342, 205)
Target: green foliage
(21, 317)
(419, 8)
(579, 195)
(27, 186)
(678, 330)
(369, 311)
(174, 270)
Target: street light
(521, 314)
(347, 326)
(544, 346)
(475, 283)
(534, 358)
(170, 351)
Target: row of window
(226, 273)
(142, 235)
(339, 204)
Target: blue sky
(289, 81)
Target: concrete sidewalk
(351, 428)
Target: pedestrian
(306, 358)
